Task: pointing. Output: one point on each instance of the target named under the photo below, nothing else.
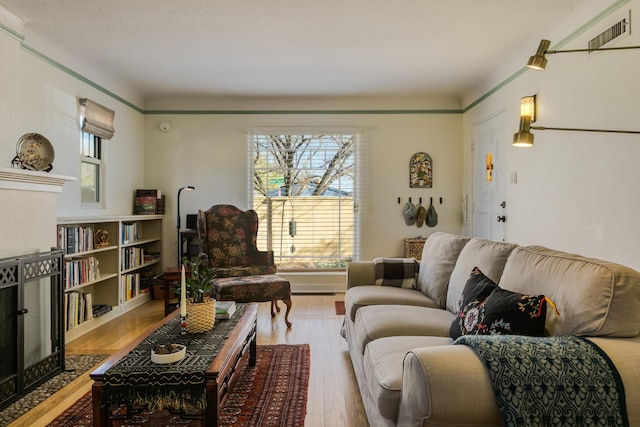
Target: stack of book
(148, 202)
(225, 309)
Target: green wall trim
(293, 112)
(79, 77)
(596, 19)
(609, 10)
(16, 35)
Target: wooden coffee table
(219, 376)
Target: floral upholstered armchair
(228, 237)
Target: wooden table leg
(274, 304)
(99, 410)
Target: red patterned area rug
(271, 393)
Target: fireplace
(31, 333)
(31, 322)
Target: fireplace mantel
(22, 179)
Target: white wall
(210, 151)
(576, 191)
(38, 96)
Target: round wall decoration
(34, 152)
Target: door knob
(23, 311)
(503, 205)
(502, 218)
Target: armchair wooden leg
(286, 315)
(287, 302)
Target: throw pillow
(512, 313)
(397, 272)
(502, 312)
(476, 290)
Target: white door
(489, 179)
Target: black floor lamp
(188, 188)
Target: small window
(91, 168)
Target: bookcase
(109, 263)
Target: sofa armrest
(446, 385)
(360, 273)
(625, 353)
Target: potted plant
(201, 308)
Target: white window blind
(304, 193)
(96, 119)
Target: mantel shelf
(22, 179)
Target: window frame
(92, 153)
(274, 241)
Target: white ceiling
(292, 47)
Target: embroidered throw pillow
(476, 290)
(512, 313)
(501, 312)
(397, 272)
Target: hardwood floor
(333, 400)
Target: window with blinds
(304, 194)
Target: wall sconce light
(188, 188)
(539, 60)
(524, 137)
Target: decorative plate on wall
(421, 171)
(34, 152)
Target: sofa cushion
(593, 297)
(376, 295)
(396, 272)
(476, 290)
(383, 364)
(439, 256)
(379, 321)
(490, 257)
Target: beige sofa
(408, 372)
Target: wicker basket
(201, 316)
(413, 247)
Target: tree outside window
(303, 191)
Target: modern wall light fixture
(524, 137)
(539, 60)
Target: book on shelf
(129, 286)
(74, 239)
(77, 309)
(129, 233)
(225, 309)
(100, 309)
(77, 272)
(148, 202)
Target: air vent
(615, 32)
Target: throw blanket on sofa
(551, 381)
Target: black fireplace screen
(31, 322)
